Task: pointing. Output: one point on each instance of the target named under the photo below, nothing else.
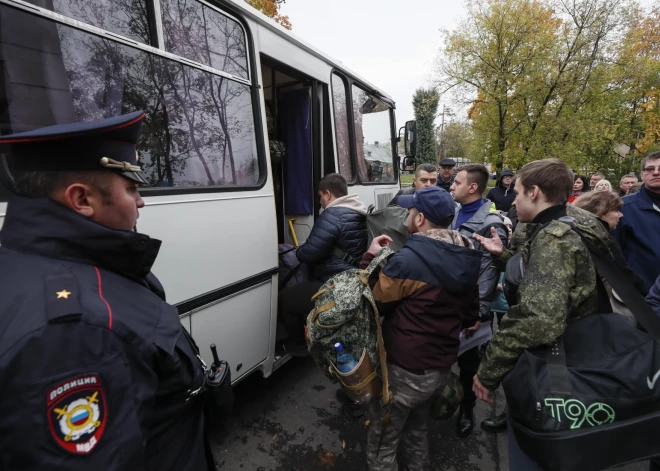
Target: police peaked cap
(108, 144)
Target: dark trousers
(295, 303)
(468, 363)
(655, 464)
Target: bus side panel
(209, 244)
(240, 328)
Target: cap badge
(114, 164)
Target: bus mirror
(408, 164)
(411, 139)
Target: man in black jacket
(336, 244)
(96, 371)
(502, 195)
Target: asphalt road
(292, 422)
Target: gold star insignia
(63, 294)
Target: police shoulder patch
(77, 413)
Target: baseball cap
(433, 202)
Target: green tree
(540, 78)
(425, 104)
(456, 139)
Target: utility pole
(445, 111)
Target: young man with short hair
(638, 233)
(337, 242)
(560, 281)
(425, 175)
(426, 302)
(476, 215)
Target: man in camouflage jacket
(560, 279)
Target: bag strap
(340, 254)
(624, 289)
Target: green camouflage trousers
(411, 403)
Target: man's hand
(470, 331)
(378, 243)
(481, 392)
(493, 245)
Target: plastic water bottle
(345, 361)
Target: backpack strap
(340, 254)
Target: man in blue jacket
(336, 244)
(638, 234)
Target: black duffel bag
(592, 399)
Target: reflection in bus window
(373, 137)
(199, 127)
(202, 34)
(341, 127)
(127, 18)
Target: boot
(496, 424)
(465, 422)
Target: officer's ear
(80, 198)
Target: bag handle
(378, 260)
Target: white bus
(218, 82)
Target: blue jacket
(94, 365)
(336, 227)
(638, 235)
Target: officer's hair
(47, 184)
(335, 184)
(429, 168)
(598, 174)
(599, 202)
(651, 156)
(476, 173)
(552, 176)
(445, 224)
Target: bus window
(127, 18)
(341, 127)
(199, 127)
(373, 138)
(200, 33)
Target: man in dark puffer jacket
(336, 244)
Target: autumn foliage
(578, 80)
(271, 8)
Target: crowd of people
(134, 376)
(446, 281)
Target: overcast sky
(391, 43)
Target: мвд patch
(77, 413)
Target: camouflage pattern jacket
(427, 293)
(559, 285)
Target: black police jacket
(93, 362)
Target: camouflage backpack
(345, 311)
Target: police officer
(96, 371)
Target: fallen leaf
(366, 424)
(343, 444)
